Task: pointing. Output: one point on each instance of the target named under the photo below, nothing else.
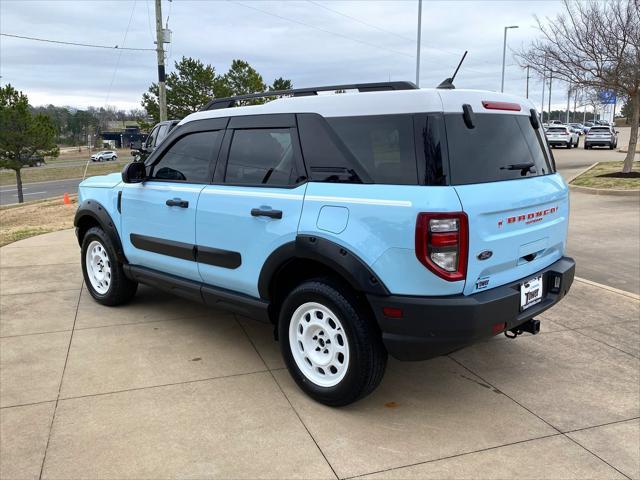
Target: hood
(103, 181)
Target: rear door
(255, 203)
(517, 205)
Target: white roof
(374, 103)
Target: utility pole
(162, 92)
(418, 43)
(568, 102)
(550, 83)
(527, 95)
(504, 54)
(544, 82)
(575, 103)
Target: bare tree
(595, 45)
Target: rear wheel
(332, 349)
(114, 158)
(103, 274)
(611, 146)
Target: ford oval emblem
(485, 255)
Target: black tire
(611, 146)
(100, 159)
(114, 158)
(121, 289)
(367, 355)
(586, 147)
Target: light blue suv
(360, 220)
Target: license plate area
(531, 292)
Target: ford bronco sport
(384, 220)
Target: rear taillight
(442, 244)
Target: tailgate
(523, 223)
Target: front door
(158, 215)
(254, 205)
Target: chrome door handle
(259, 212)
(177, 202)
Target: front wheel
(331, 347)
(103, 274)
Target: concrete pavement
(166, 388)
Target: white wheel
(319, 344)
(98, 267)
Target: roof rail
(227, 102)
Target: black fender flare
(334, 256)
(97, 212)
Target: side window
(189, 159)
(262, 157)
(162, 132)
(151, 139)
(383, 144)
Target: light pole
(504, 53)
(418, 43)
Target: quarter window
(189, 159)
(262, 157)
(382, 144)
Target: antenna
(448, 83)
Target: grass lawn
(595, 178)
(40, 174)
(33, 218)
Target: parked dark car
(159, 133)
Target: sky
(311, 42)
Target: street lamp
(504, 53)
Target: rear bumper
(598, 142)
(433, 326)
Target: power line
(124, 40)
(361, 21)
(77, 44)
(320, 29)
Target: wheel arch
(93, 214)
(310, 257)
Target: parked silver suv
(601, 136)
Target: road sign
(607, 97)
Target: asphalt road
(38, 191)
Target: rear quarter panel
(379, 227)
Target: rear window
(600, 129)
(557, 130)
(383, 145)
(500, 147)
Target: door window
(189, 159)
(262, 157)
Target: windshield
(499, 147)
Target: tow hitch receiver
(530, 326)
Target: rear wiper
(523, 167)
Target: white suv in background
(104, 155)
(562, 135)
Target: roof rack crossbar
(227, 102)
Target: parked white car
(104, 156)
(601, 136)
(562, 135)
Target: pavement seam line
(148, 387)
(605, 343)
(601, 425)
(64, 368)
(597, 456)
(535, 414)
(624, 293)
(286, 397)
(448, 457)
(34, 333)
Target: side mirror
(134, 172)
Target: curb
(607, 287)
(600, 191)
